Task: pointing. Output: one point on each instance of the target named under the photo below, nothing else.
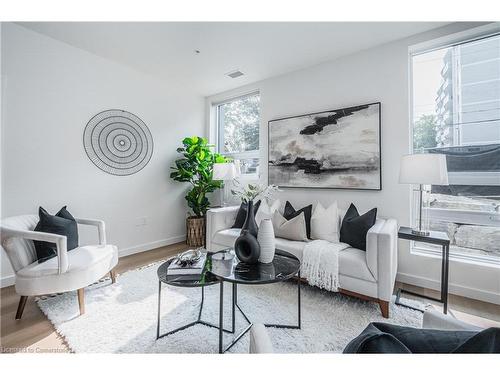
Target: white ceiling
(260, 50)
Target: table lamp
(423, 169)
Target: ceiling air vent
(234, 74)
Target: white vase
(266, 241)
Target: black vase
(247, 248)
(250, 225)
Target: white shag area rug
(121, 317)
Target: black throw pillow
(62, 223)
(290, 213)
(355, 227)
(389, 338)
(242, 214)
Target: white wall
(378, 74)
(50, 91)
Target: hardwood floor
(34, 333)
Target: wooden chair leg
(112, 274)
(384, 308)
(20, 307)
(81, 300)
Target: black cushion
(62, 223)
(290, 213)
(355, 227)
(389, 338)
(242, 214)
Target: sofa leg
(384, 308)
(81, 300)
(20, 307)
(112, 274)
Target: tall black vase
(250, 224)
(246, 246)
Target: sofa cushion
(352, 262)
(62, 223)
(389, 338)
(325, 223)
(266, 211)
(355, 227)
(241, 216)
(294, 229)
(290, 212)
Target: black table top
(283, 267)
(439, 238)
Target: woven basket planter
(195, 231)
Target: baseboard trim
(10, 279)
(7, 281)
(459, 290)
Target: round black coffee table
(199, 281)
(283, 267)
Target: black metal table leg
(199, 320)
(159, 303)
(221, 316)
(235, 301)
(250, 324)
(298, 298)
(444, 287)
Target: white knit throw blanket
(320, 264)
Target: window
(238, 122)
(456, 112)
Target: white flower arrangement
(250, 192)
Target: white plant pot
(266, 241)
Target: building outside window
(238, 123)
(456, 112)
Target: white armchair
(73, 270)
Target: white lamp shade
(225, 171)
(425, 169)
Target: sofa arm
(436, 320)
(260, 342)
(219, 219)
(381, 255)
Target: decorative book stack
(178, 268)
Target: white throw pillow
(293, 229)
(265, 211)
(325, 223)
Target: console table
(436, 238)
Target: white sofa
(366, 274)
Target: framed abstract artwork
(337, 149)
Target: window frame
(219, 134)
(419, 248)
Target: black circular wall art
(118, 142)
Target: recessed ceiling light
(196, 51)
(235, 74)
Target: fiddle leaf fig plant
(196, 167)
